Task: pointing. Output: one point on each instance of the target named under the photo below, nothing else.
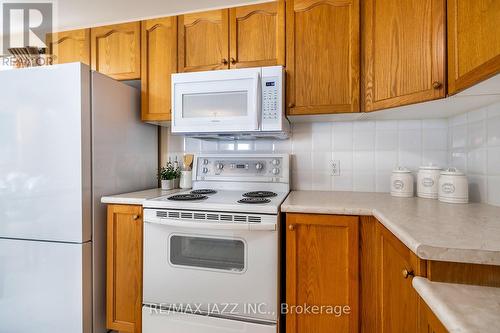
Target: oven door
(216, 101)
(163, 321)
(225, 272)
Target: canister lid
(452, 172)
(401, 169)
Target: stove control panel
(270, 168)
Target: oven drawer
(208, 267)
(190, 323)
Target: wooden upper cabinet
(473, 42)
(70, 46)
(124, 268)
(203, 41)
(322, 56)
(322, 269)
(397, 300)
(116, 50)
(404, 52)
(257, 35)
(159, 61)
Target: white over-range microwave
(234, 103)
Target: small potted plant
(168, 175)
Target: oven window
(215, 105)
(211, 253)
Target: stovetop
(245, 183)
(222, 200)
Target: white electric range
(211, 253)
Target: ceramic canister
(453, 186)
(428, 181)
(402, 183)
(186, 179)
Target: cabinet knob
(407, 273)
(437, 85)
(233, 61)
(291, 227)
(224, 61)
(135, 217)
(291, 105)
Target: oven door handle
(215, 226)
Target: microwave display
(270, 84)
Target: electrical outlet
(335, 171)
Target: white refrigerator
(68, 136)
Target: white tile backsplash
(474, 147)
(369, 150)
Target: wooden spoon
(188, 161)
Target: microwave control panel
(272, 98)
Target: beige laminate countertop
(462, 308)
(432, 230)
(136, 198)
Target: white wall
(474, 146)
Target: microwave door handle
(258, 101)
(215, 226)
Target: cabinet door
(116, 50)
(404, 53)
(398, 301)
(257, 35)
(159, 61)
(70, 46)
(473, 42)
(203, 41)
(322, 56)
(322, 270)
(429, 323)
(124, 268)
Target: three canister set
(449, 185)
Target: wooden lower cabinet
(398, 301)
(428, 322)
(322, 270)
(388, 301)
(124, 268)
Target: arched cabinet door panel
(203, 41)
(257, 35)
(116, 50)
(69, 46)
(159, 61)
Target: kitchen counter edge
(430, 229)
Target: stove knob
(276, 162)
(205, 161)
(219, 166)
(259, 166)
(205, 170)
(276, 171)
